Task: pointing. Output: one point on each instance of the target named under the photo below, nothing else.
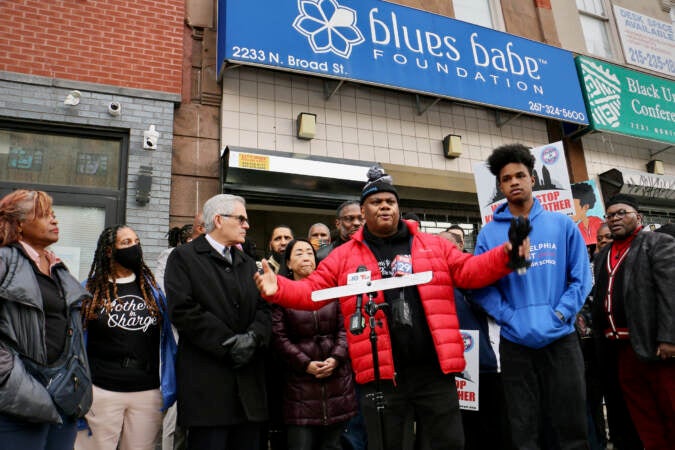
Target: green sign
(627, 102)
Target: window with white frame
(486, 13)
(595, 25)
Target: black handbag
(68, 380)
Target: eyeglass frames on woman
(620, 214)
(242, 219)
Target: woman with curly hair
(129, 337)
(39, 325)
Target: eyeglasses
(242, 219)
(351, 218)
(620, 214)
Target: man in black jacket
(634, 317)
(223, 325)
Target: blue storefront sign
(389, 45)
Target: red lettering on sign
(467, 396)
(548, 196)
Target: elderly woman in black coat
(319, 395)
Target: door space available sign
(551, 183)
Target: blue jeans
(19, 434)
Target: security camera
(73, 98)
(150, 138)
(114, 109)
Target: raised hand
(267, 281)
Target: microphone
(518, 231)
(401, 265)
(401, 315)
(356, 322)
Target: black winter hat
(378, 181)
(625, 199)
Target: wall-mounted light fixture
(452, 146)
(73, 98)
(655, 166)
(150, 138)
(306, 125)
(144, 185)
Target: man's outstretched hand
(267, 281)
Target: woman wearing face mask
(129, 337)
(319, 395)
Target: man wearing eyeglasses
(634, 318)
(223, 325)
(348, 220)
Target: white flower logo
(328, 26)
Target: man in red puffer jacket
(418, 343)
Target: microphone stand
(377, 397)
(370, 309)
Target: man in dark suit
(634, 321)
(223, 325)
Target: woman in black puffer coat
(319, 395)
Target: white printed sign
(467, 382)
(358, 277)
(551, 183)
(646, 42)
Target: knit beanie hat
(625, 199)
(378, 181)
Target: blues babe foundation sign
(389, 45)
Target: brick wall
(116, 42)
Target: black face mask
(130, 258)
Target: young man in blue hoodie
(542, 364)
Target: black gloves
(241, 348)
